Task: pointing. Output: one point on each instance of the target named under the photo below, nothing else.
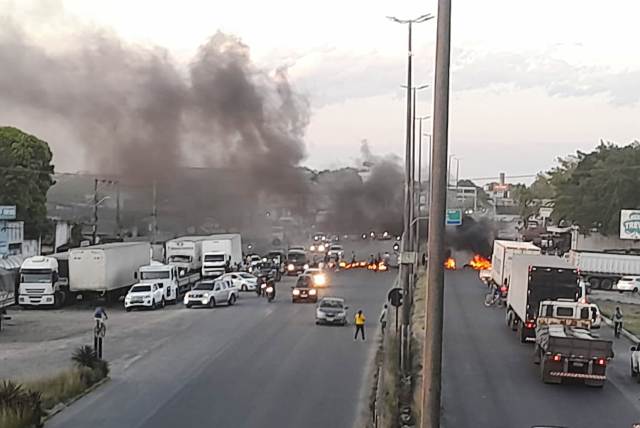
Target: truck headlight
(296, 292)
(312, 292)
(306, 266)
(321, 248)
(312, 248)
(320, 279)
(290, 267)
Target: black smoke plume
(374, 203)
(135, 114)
(474, 236)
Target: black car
(296, 262)
(304, 290)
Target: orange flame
(450, 264)
(480, 263)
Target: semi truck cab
(43, 281)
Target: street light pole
(417, 240)
(432, 356)
(94, 237)
(406, 248)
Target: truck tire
(522, 332)
(606, 284)
(153, 305)
(212, 303)
(232, 300)
(544, 371)
(594, 283)
(508, 318)
(163, 303)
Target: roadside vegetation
(23, 405)
(630, 312)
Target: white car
(144, 295)
(331, 310)
(243, 281)
(211, 293)
(628, 283)
(318, 276)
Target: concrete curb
(626, 333)
(61, 406)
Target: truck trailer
(106, 270)
(503, 252)
(535, 278)
(602, 270)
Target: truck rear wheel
(594, 283)
(543, 371)
(606, 284)
(522, 332)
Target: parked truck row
(110, 270)
(545, 304)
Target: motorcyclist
(272, 283)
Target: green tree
(592, 188)
(25, 177)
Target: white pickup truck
(145, 295)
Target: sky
(531, 81)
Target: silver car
(331, 310)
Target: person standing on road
(360, 319)
(383, 318)
(617, 322)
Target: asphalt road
(489, 379)
(252, 365)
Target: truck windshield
(36, 276)
(140, 288)
(297, 257)
(180, 259)
(214, 258)
(154, 275)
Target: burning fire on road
(480, 263)
(450, 263)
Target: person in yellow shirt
(360, 319)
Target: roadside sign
(454, 217)
(407, 257)
(7, 212)
(630, 224)
(395, 297)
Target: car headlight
(312, 292)
(296, 292)
(320, 279)
(290, 266)
(320, 314)
(306, 266)
(312, 248)
(321, 248)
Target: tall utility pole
(406, 237)
(154, 214)
(432, 357)
(417, 214)
(94, 237)
(117, 208)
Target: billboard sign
(7, 212)
(4, 239)
(630, 224)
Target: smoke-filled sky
(543, 78)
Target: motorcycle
(270, 293)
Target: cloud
(556, 76)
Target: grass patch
(630, 311)
(24, 405)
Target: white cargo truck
(503, 252)
(533, 279)
(106, 270)
(604, 269)
(44, 281)
(172, 283)
(185, 253)
(220, 253)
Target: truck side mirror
(135, 275)
(55, 277)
